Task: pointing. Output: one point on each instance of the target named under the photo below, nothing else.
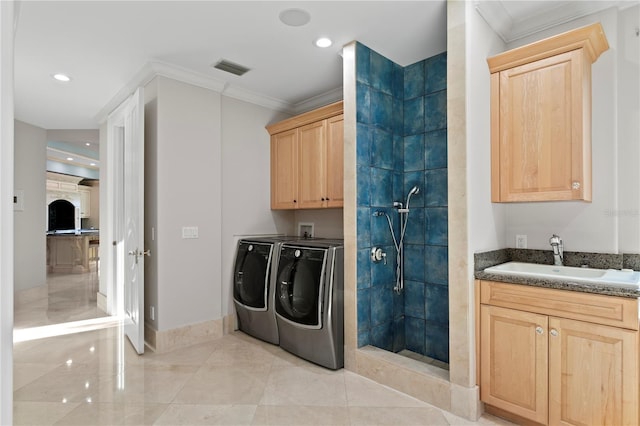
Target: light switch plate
(189, 232)
(521, 241)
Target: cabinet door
(593, 374)
(312, 165)
(513, 357)
(335, 162)
(544, 130)
(85, 202)
(284, 170)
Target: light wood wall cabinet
(307, 160)
(541, 118)
(558, 357)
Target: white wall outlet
(521, 241)
(152, 313)
(189, 232)
(305, 230)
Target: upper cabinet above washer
(541, 118)
(307, 160)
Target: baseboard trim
(169, 340)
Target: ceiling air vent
(227, 66)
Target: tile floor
(95, 377)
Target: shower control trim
(377, 255)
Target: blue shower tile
(398, 81)
(435, 188)
(414, 299)
(437, 233)
(414, 262)
(381, 187)
(398, 152)
(414, 153)
(412, 179)
(414, 330)
(364, 309)
(435, 149)
(384, 275)
(398, 305)
(381, 73)
(363, 64)
(363, 227)
(436, 73)
(398, 187)
(364, 186)
(436, 265)
(414, 80)
(437, 342)
(380, 233)
(436, 304)
(363, 146)
(381, 305)
(382, 336)
(382, 149)
(413, 116)
(415, 226)
(398, 334)
(435, 111)
(381, 110)
(363, 103)
(364, 268)
(363, 338)
(398, 116)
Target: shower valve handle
(377, 255)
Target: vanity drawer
(600, 309)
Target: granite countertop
(596, 260)
(73, 232)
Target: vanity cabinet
(85, 201)
(541, 118)
(307, 160)
(558, 357)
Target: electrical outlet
(189, 232)
(521, 241)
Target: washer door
(251, 275)
(299, 285)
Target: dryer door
(251, 275)
(299, 286)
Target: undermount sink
(627, 278)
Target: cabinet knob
(327, 199)
(322, 199)
(554, 332)
(539, 330)
(295, 201)
(575, 185)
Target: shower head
(414, 190)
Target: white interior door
(126, 166)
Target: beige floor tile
(108, 414)
(363, 392)
(24, 374)
(40, 413)
(191, 414)
(297, 415)
(396, 416)
(219, 385)
(310, 385)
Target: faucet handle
(555, 239)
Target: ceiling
(109, 47)
(106, 46)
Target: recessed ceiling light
(323, 42)
(295, 17)
(93, 164)
(69, 159)
(61, 77)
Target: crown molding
(556, 13)
(318, 101)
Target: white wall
(485, 219)
(246, 202)
(30, 226)
(189, 194)
(605, 225)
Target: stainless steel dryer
(256, 260)
(309, 300)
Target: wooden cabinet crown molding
(591, 38)
(327, 111)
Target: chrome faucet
(557, 246)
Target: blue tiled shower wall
(402, 142)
